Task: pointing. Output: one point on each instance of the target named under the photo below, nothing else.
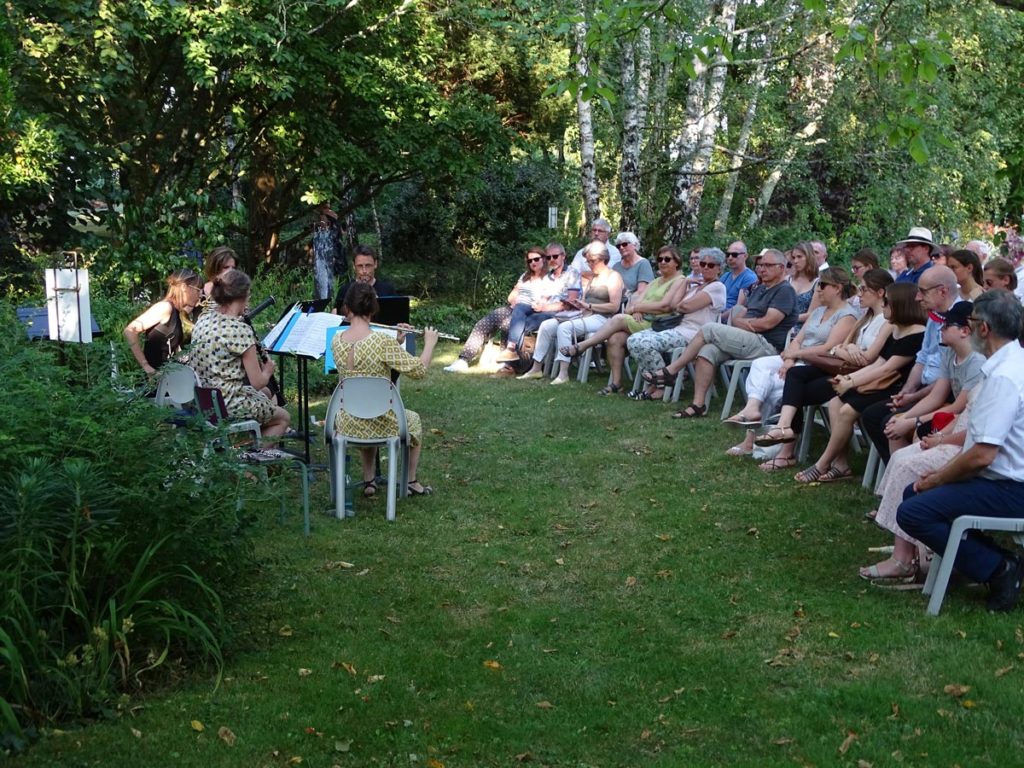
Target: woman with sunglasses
(811, 384)
(655, 301)
(828, 325)
(530, 289)
(897, 357)
(703, 299)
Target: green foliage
(119, 539)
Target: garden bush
(120, 542)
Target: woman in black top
(161, 323)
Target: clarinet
(273, 385)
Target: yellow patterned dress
(376, 355)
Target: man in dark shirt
(364, 265)
(759, 332)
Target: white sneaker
(531, 375)
(459, 366)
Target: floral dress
(376, 355)
(218, 342)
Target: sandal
(640, 394)
(779, 462)
(369, 489)
(809, 475)
(611, 389)
(739, 420)
(570, 351)
(692, 411)
(739, 450)
(902, 571)
(775, 436)
(661, 378)
(835, 474)
(424, 490)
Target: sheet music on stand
(301, 333)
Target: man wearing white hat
(917, 247)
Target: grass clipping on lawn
(592, 584)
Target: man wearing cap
(959, 373)
(917, 248)
(636, 272)
(937, 291)
(739, 276)
(987, 477)
(600, 230)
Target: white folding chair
(176, 386)
(942, 567)
(734, 375)
(366, 397)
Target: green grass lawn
(591, 584)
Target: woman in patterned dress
(223, 353)
(359, 351)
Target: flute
(416, 331)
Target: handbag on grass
(881, 382)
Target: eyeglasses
(772, 264)
(535, 259)
(924, 291)
(734, 254)
(973, 319)
(665, 259)
(707, 264)
(594, 261)
(599, 231)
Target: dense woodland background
(141, 134)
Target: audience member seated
(703, 302)
(601, 300)
(762, 330)
(531, 292)
(635, 271)
(737, 275)
(161, 322)
(600, 231)
(803, 277)
(220, 259)
(828, 325)
(931, 453)
(364, 265)
(224, 353)
(969, 276)
(987, 477)
(359, 351)
(565, 285)
(655, 302)
(871, 384)
(999, 273)
(811, 384)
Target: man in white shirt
(820, 254)
(600, 230)
(987, 477)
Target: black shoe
(1004, 587)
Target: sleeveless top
(163, 340)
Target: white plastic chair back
(366, 397)
(176, 386)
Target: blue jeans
(928, 517)
(524, 320)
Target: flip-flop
(775, 436)
(738, 422)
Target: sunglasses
(708, 264)
(665, 259)
(553, 256)
(535, 259)
(734, 254)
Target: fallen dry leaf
(226, 735)
(294, 760)
(793, 633)
(782, 742)
(864, 764)
(286, 631)
(1004, 671)
(436, 431)
(363, 572)
(728, 634)
(524, 757)
(665, 537)
(343, 746)
(303, 672)
(847, 742)
(645, 735)
(433, 763)
(955, 690)
(492, 664)
(833, 635)
(136, 733)
(560, 561)
(198, 727)
(631, 581)
(331, 565)
(346, 666)
(968, 704)
(375, 678)
(895, 708)
(545, 705)
(665, 573)
(752, 532)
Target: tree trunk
(697, 140)
(588, 168)
(742, 142)
(264, 203)
(818, 84)
(636, 80)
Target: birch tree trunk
(818, 84)
(636, 81)
(588, 168)
(703, 116)
(742, 142)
